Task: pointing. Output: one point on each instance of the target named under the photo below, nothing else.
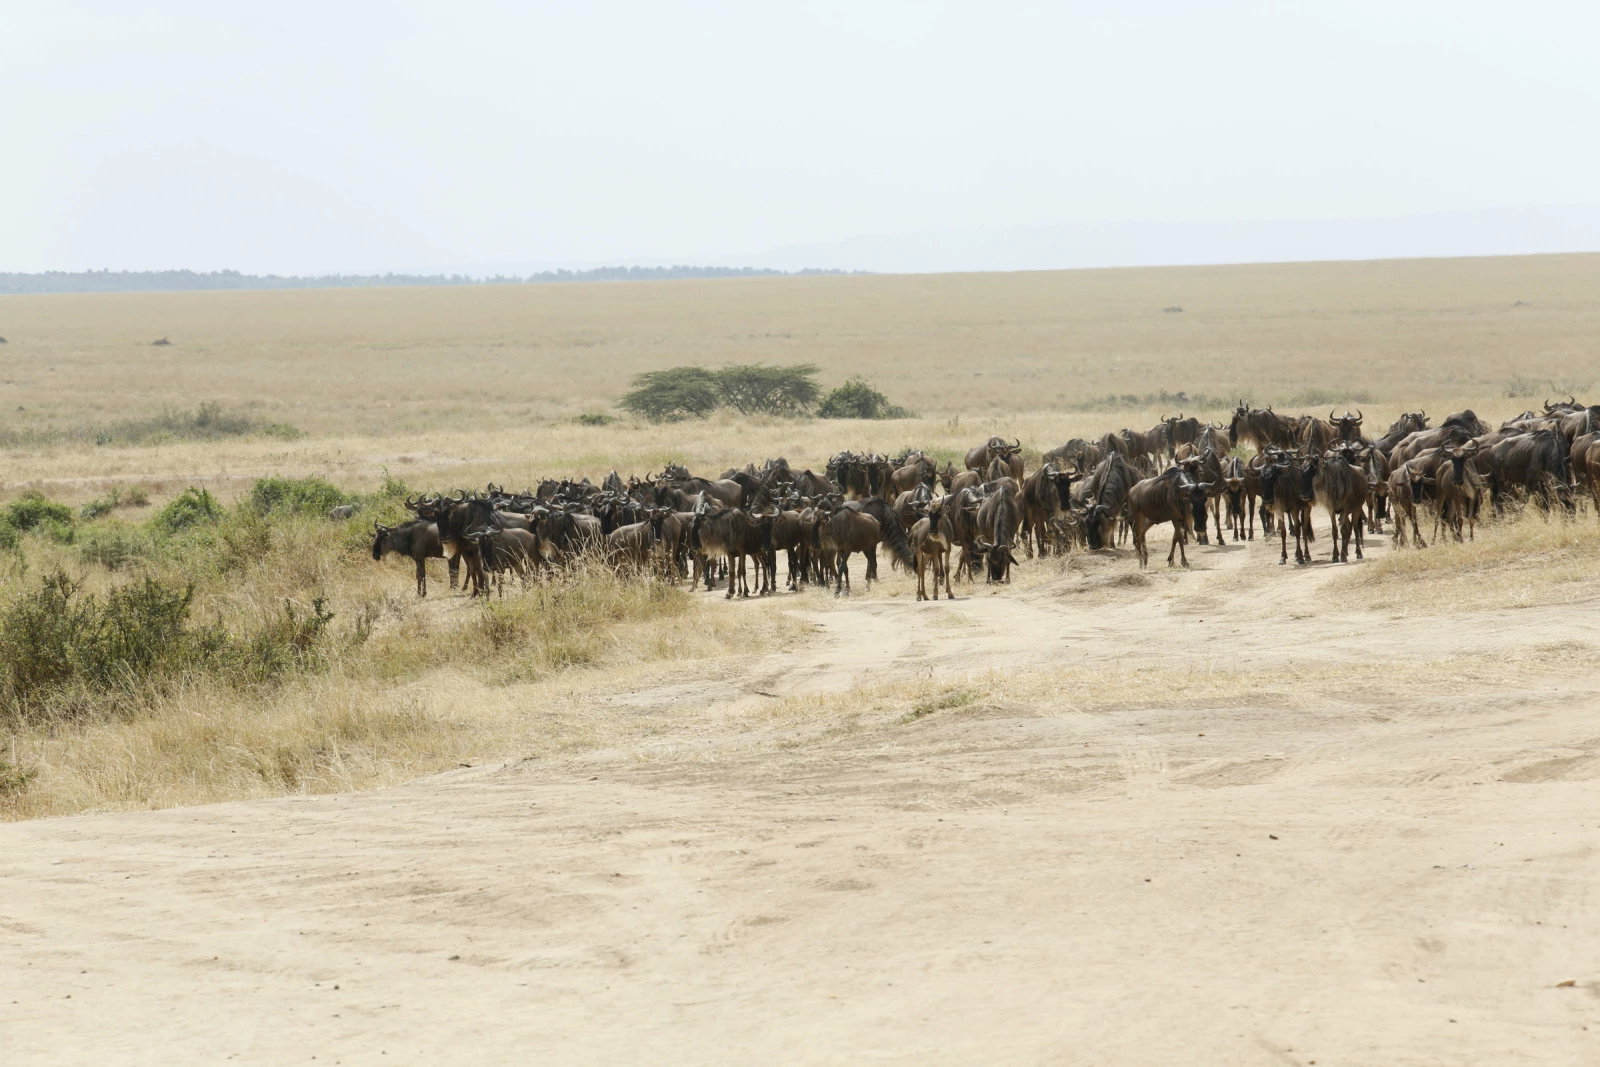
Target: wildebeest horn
(1331, 417)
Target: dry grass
(1523, 561)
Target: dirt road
(1308, 839)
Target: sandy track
(1355, 880)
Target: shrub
(61, 648)
(33, 509)
(287, 642)
(594, 418)
(116, 545)
(756, 389)
(295, 496)
(670, 395)
(193, 507)
(857, 399)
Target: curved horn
(1331, 417)
(1359, 415)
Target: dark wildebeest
(1173, 497)
(1410, 484)
(630, 547)
(1288, 480)
(730, 533)
(958, 523)
(978, 458)
(999, 517)
(416, 540)
(836, 536)
(1340, 486)
(1445, 435)
(1376, 465)
(1176, 430)
(1075, 453)
(1347, 427)
(1532, 463)
(1468, 420)
(1206, 468)
(1044, 493)
(1460, 491)
(1262, 428)
(497, 551)
(1238, 499)
(931, 547)
(1104, 495)
(917, 470)
(1404, 426)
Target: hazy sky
(293, 136)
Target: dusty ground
(1272, 834)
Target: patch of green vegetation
(954, 698)
(857, 399)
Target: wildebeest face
(1308, 478)
(380, 541)
(1095, 519)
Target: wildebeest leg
(422, 577)
(455, 570)
(1138, 542)
(1283, 536)
(1178, 541)
(922, 570)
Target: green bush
(756, 389)
(61, 648)
(594, 418)
(295, 496)
(857, 399)
(670, 395)
(115, 545)
(193, 507)
(33, 509)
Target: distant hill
(136, 281)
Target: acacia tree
(756, 389)
(670, 395)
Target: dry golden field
(472, 382)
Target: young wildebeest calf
(932, 548)
(1172, 497)
(417, 540)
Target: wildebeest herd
(1198, 478)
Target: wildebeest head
(1308, 465)
(380, 540)
(1349, 425)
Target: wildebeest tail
(890, 532)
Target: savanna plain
(1239, 813)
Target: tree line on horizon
(133, 281)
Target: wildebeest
(729, 533)
(1459, 490)
(1176, 430)
(1404, 426)
(1174, 497)
(1532, 463)
(1340, 486)
(931, 547)
(1105, 492)
(416, 540)
(958, 523)
(1288, 480)
(1262, 428)
(999, 517)
(836, 536)
(1044, 493)
(1347, 427)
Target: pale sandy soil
(1278, 833)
